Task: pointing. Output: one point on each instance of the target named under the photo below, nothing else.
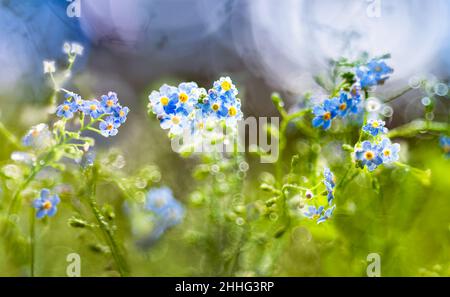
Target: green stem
(9, 136)
(106, 230)
(418, 126)
(32, 240)
(398, 95)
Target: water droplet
(141, 183)
(119, 162)
(415, 82)
(273, 216)
(12, 171)
(426, 101)
(243, 166)
(387, 111)
(429, 116)
(441, 89)
(240, 221)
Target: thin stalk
(32, 240)
(419, 126)
(9, 136)
(106, 230)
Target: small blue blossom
(67, 109)
(165, 100)
(109, 126)
(312, 212)
(38, 137)
(374, 73)
(92, 108)
(326, 215)
(445, 144)
(46, 204)
(369, 155)
(325, 113)
(120, 113)
(389, 151)
(375, 127)
(168, 211)
(176, 123)
(347, 104)
(329, 182)
(109, 102)
(224, 86)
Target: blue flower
(329, 183)
(347, 104)
(389, 151)
(327, 214)
(369, 155)
(109, 102)
(312, 212)
(176, 123)
(120, 113)
(109, 126)
(168, 211)
(46, 204)
(225, 86)
(92, 108)
(38, 137)
(325, 113)
(66, 109)
(375, 127)
(445, 144)
(374, 73)
(165, 101)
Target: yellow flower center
(387, 153)
(47, 205)
(375, 124)
(35, 133)
(225, 85)
(93, 107)
(232, 111)
(121, 113)
(175, 120)
(215, 106)
(164, 100)
(378, 69)
(109, 127)
(200, 125)
(183, 97)
(160, 202)
(343, 106)
(327, 116)
(66, 107)
(369, 155)
(109, 103)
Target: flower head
(329, 182)
(46, 204)
(109, 102)
(347, 104)
(38, 137)
(167, 209)
(92, 108)
(109, 126)
(375, 127)
(389, 151)
(325, 113)
(445, 144)
(373, 73)
(326, 215)
(369, 155)
(312, 212)
(49, 66)
(66, 109)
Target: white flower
(77, 49)
(49, 66)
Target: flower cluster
(189, 108)
(46, 204)
(321, 214)
(373, 154)
(107, 111)
(445, 144)
(373, 73)
(347, 103)
(375, 127)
